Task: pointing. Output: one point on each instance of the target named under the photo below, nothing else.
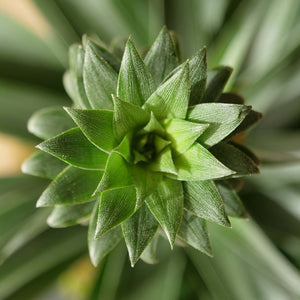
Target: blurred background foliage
(258, 258)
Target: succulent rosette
(149, 148)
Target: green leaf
(153, 126)
(135, 83)
(74, 148)
(68, 215)
(193, 231)
(49, 122)
(203, 199)
(171, 98)
(216, 81)
(198, 163)
(71, 186)
(222, 118)
(162, 58)
(97, 126)
(128, 117)
(100, 247)
(43, 165)
(124, 148)
(149, 254)
(164, 162)
(233, 204)
(198, 76)
(116, 205)
(166, 204)
(138, 231)
(116, 174)
(100, 79)
(76, 60)
(235, 159)
(183, 133)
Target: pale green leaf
(233, 204)
(128, 117)
(97, 126)
(162, 58)
(160, 143)
(171, 99)
(138, 231)
(166, 204)
(194, 232)
(135, 83)
(149, 255)
(71, 186)
(223, 119)
(116, 205)
(100, 79)
(235, 159)
(203, 199)
(183, 133)
(43, 165)
(100, 247)
(198, 163)
(68, 215)
(74, 148)
(164, 162)
(124, 148)
(153, 126)
(49, 122)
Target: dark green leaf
(97, 126)
(162, 58)
(198, 163)
(71, 186)
(193, 231)
(171, 98)
(116, 205)
(166, 204)
(49, 122)
(74, 148)
(43, 165)
(100, 79)
(138, 231)
(203, 199)
(135, 83)
(222, 118)
(231, 98)
(100, 247)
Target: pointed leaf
(166, 204)
(68, 215)
(171, 99)
(116, 174)
(193, 231)
(162, 58)
(164, 162)
(115, 206)
(149, 254)
(216, 81)
(100, 79)
(124, 148)
(233, 204)
(203, 199)
(97, 126)
(135, 83)
(153, 126)
(198, 163)
(128, 117)
(49, 122)
(76, 60)
(235, 159)
(183, 133)
(71, 186)
(222, 118)
(138, 231)
(99, 248)
(43, 165)
(74, 148)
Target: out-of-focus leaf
(223, 119)
(231, 98)
(166, 204)
(198, 163)
(71, 186)
(135, 83)
(203, 199)
(43, 165)
(149, 254)
(74, 148)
